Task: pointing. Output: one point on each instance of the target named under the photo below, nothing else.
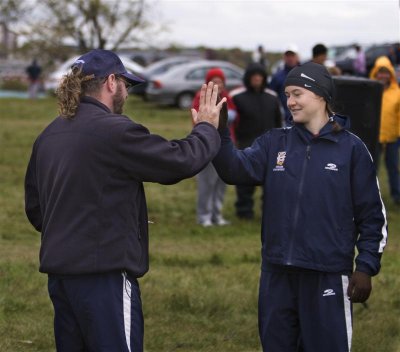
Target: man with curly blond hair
(84, 193)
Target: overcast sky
(277, 23)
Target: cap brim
(133, 79)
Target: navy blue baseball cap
(102, 63)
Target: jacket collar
(326, 131)
(308, 137)
(90, 100)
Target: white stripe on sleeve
(382, 242)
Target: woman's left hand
(359, 287)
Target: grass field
(201, 291)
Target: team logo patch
(328, 292)
(280, 159)
(331, 166)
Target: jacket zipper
(297, 209)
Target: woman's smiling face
(303, 104)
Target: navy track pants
(304, 311)
(96, 313)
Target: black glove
(359, 287)
(223, 117)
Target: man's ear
(111, 83)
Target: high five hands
(209, 110)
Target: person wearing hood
(258, 110)
(389, 132)
(315, 213)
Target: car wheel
(184, 100)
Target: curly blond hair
(73, 86)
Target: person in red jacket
(211, 189)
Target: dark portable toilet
(360, 99)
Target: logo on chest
(280, 160)
(331, 167)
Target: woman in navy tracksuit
(321, 200)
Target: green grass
(201, 291)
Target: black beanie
(314, 77)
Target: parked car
(343, 57)
(54, 78)
(178, 85)
(159, 67)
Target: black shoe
(245, 216)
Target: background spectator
(33, 71)
(383, 71)
(210, 187)
(290, 60)
(259, 56)
(359, 63)
(319, 54)
(258, 111)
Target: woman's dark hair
(72, 87)
(336, 127)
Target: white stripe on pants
(126, 294)
(347, 310)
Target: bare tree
(86, 24)
(11, 11)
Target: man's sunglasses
(124, 81)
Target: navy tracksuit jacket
(321, 197)
(84, 187)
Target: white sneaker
(222, 222)
(206, 223)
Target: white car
(179, 85)
(160, 67)
(54, 78)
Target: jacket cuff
(364, 268)
(205, 122)
(224, 132)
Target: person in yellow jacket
(384, 72)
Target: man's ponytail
(72, 87)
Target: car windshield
(198, 73)
(163, 68)
(377, 51)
